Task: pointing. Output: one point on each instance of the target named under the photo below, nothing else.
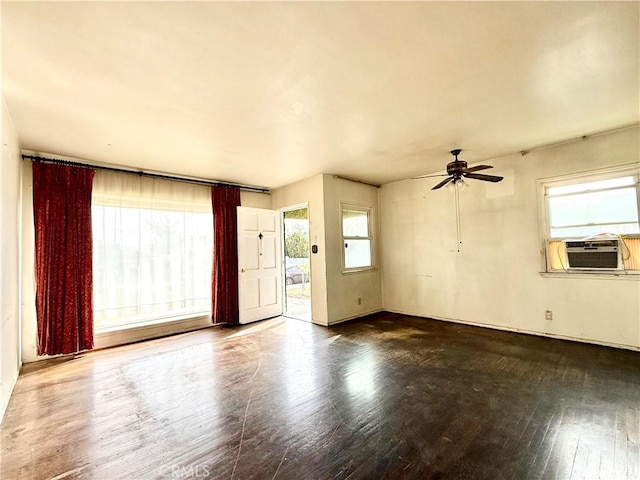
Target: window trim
(369, 210)
(544, 224)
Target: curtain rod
(356, 181)
(142, 173)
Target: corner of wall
(310, 191)
(349, 295)
(500, 256)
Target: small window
(356, 238)
(589, 206)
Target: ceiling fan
(457, 170)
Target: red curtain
(224, 293)
(63, 257)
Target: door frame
(283, 210)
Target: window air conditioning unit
(600, 254)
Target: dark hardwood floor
(387, 396)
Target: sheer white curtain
(152, 253)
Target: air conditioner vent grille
(594, 254)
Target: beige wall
(344, 289)
(310, 192)
(255, 199)
(10, 260)
(494, 280)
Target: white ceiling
(269, 93)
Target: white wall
(310, 191)
(344, 289)
(10, 260)
(494, 280)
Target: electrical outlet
(359, 300)
(548, 315)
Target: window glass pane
(599, 185)
(357, 253)
(355, 223)
(599, 208)
(150, 264)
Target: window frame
(369, 210)
(150, 319)
(603, 174)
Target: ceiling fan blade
(429, 176)
(486, 178)
(442, 183)
(477, 167)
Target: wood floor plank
(386, 396)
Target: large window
(592, 206)
(356, 238)
(153, 244)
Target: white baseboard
(523, 331)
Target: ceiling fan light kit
(457, 183)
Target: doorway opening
(297, 271)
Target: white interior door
(259, 264)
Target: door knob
(242, 271)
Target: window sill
(359, 270)
(635, 276)
(151, 321)
(145, 331)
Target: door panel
(259, 264)
(251, 220)
(269, 291)
(269, 253)
(251, 252)
(252, 297)
(268, 223)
